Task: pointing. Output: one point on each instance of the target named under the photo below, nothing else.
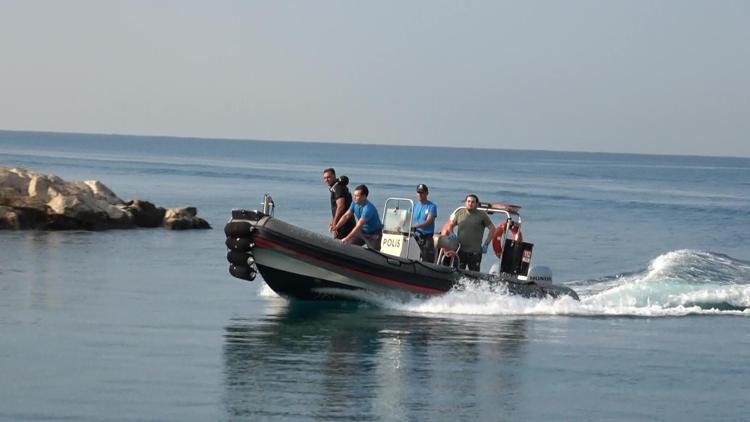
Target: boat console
(398, 239)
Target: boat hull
(299, 264)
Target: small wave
(478, 301)
(670, 297)
(675, 283)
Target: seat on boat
(447, 248)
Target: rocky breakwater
(36, 201)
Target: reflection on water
(33, 262)
(350, 361)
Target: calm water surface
(148, 325)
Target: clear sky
(614, 76)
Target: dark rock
(22, 218)
(145, 214)
(184, 219)
(186, 224)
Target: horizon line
(309, 141)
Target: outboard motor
(516, 257)
(540, 275)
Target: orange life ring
(497, 238)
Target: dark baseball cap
(422, 188)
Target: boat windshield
(397, 215)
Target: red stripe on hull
(268, 244)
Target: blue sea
(147, 324)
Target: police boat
(300, 264)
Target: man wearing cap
(471, 223)
(423, 223)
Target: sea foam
(677, 283)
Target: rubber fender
(241, 244)
(238, 258)
(238, 229)
(243, 272)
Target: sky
(635, 76)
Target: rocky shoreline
(35, 201)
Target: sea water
(147, 324)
